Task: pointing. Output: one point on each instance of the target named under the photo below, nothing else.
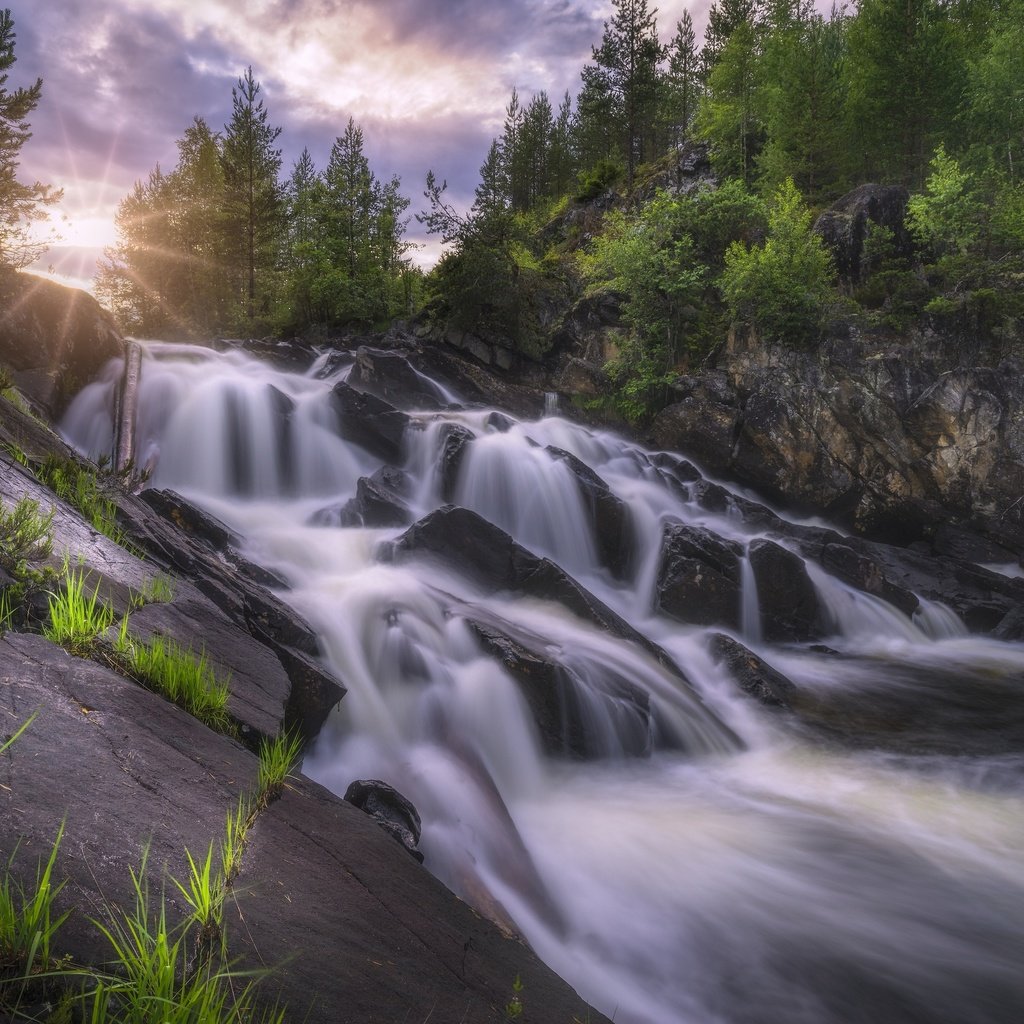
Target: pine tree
(724, 17)
(253, 200)
(626, 66)
(21, 205)
(683, 84)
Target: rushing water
(764, 874)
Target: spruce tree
(683, 84)
(253, 200)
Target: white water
(745, 869)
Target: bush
(780, 287)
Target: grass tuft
(77, 619)
(176, 672)
(81, 488)
(277, 759)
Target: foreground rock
(54, 339)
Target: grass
(77, 619)
(81, 488)
(277, 759)
(27, 920)
(26, 535)
(236, 832)
(178, 674)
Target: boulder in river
(392, 811)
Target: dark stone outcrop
(389, 375)
(611, 523)
(390, 810)
(380, 502)
(370, 422)
(561, 708)
(54, 339)
(844, 225)
(790, 610)
(858, 570)
(699, 576)
(753, 675)
(702, 420)
(454, 442)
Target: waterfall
(597, 778)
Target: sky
(427, 80)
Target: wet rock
(611, 523)
(192, 520)
(390, 810)
(499, 423)
(389, 375)
(454, 442)
(699, 577)
(379, 503)
(1011, 626)
(703, 422)
(370, 422)
(564, 707)
(865, 574)
(753, 675)
(790, 610)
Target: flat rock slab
(371, 936)
(122, 767)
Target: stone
(790, 610)
(698, 578)
(454, 443)
(752, 673)
(370, 422)
(390, 810)
(390, 376)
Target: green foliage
(81, 488)
(605, 174)
(77, 619)
(21, 205)
(175, 672)
(514, 1007)
(780, 287)
(28, 923)
(277, 759)
(203, 892)
(26, 535)
(946, 216)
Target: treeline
(223, 245)
(797, 107)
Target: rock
(753, 675)
(1011, 626)
(379, 503)
(499, 423)
(54, 339)
(703, 422)
(611, 523)
(699, 577)
(390, 810)
(580, 377)
(454, 443)
(192, 520)
(844, 226)
(790, 610)
(370, 422)
(389, 375)
(564, 707)
(859, 571)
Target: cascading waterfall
(680, 854)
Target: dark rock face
(379, 502)
(844, 226)
(790, 610)
(753, 675)
(562, 705)
(389, 375)
(610, 519)
(390, 810)
(370, 422)
(891, 439)
(455, 442)
(867, 575)
(699, 577)
(55, 339)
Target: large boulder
(370, 422)
(392, 811)
(844, 225)
(55, 340)
(699, 577)
(787, 598)
(389, 375)
(751, 672)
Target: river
(692, 856)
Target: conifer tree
(253, 200)
(683, 84)
(20, 204)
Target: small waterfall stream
(679, 853)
